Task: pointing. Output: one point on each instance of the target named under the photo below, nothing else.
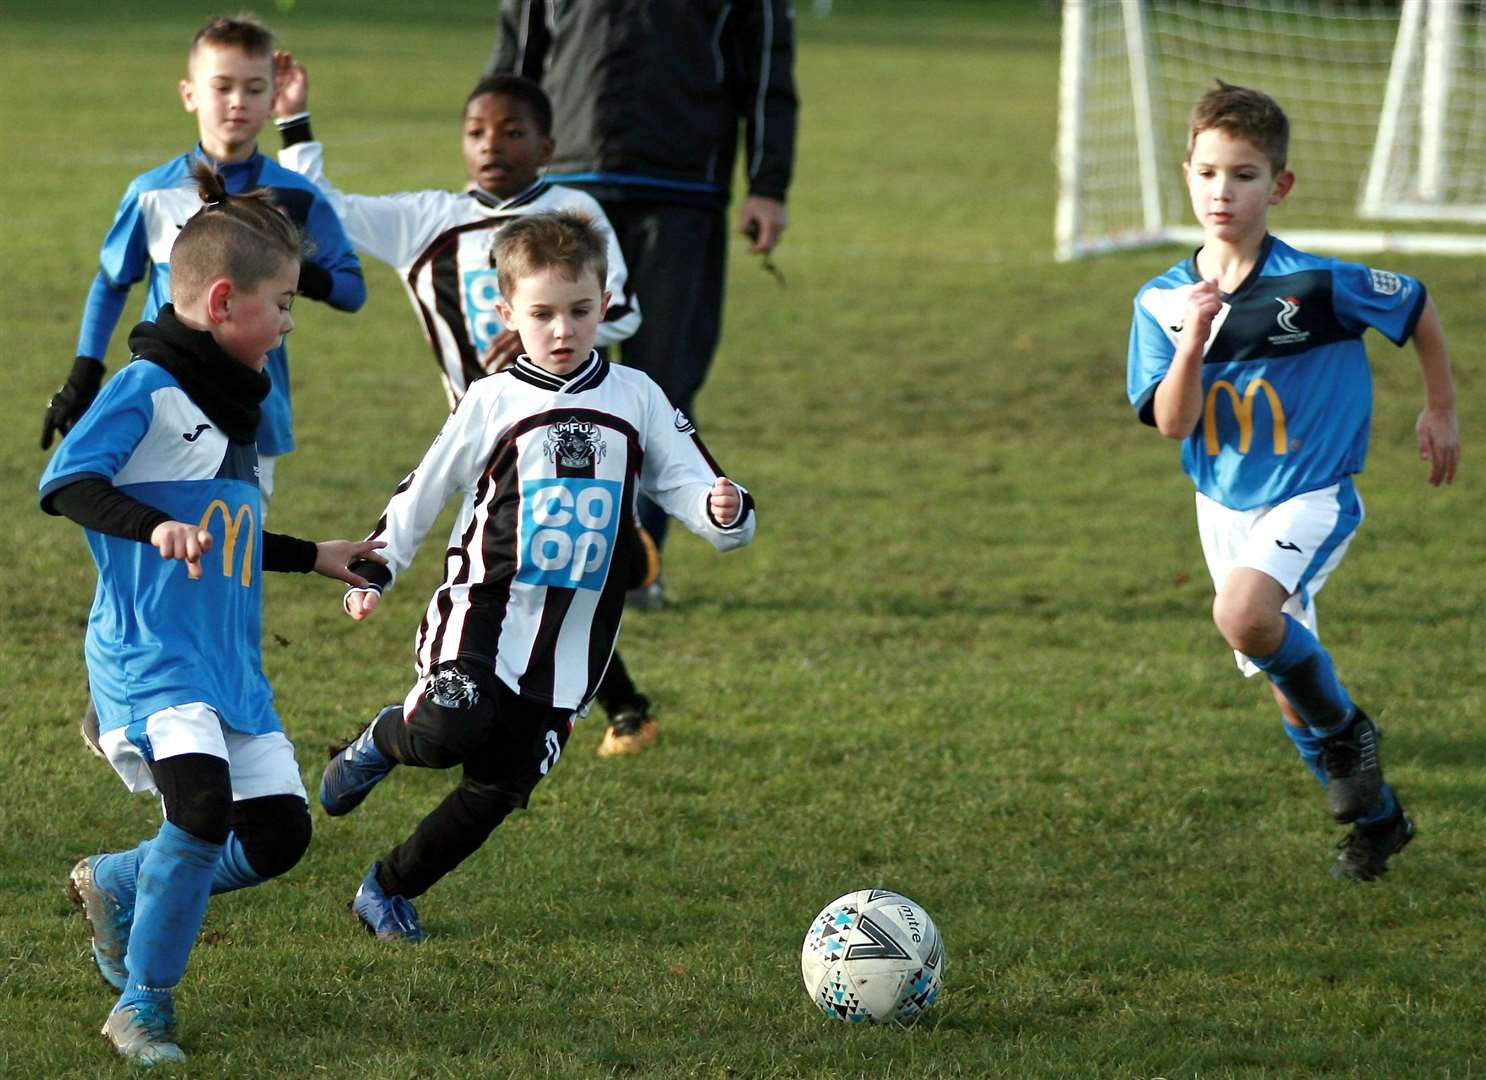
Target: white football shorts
(260, 764)
(1298, 542)
(265, 483)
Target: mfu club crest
(574, 444)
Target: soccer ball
(872, 956)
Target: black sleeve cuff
(377, 575)
(284, 554)
(87, 369)
(743, 512)
(315, 281)
(295, 129)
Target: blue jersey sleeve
(124, 259)
(1389, 303)
(1148, 360)
(101, 313)
(104, 439)
(125, 255)
(333, 251)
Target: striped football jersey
(547, 467)
(439, 243)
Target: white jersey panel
(182, 444)
(165, 212)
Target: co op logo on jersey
(481, 292)
(568, 526)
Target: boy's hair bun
(243, 237)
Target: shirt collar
(583, 377)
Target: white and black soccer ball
(872, 956)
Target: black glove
(70, 402)
(315, 281)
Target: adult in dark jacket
(648, 97)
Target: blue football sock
(1309, 747)
(1386, 808)
(1302, 670)
(172, 887)
(117, 871)
(233, 871)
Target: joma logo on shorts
(1243, 412)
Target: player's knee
(197, 792)
(274, 832)
(1245, 626)
(484, 806)
(442, 741)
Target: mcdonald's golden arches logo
(232, 525)
(1243, 411)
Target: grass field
(967, 658)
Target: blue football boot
(354, 770)
(144, 1033)
(391, 918)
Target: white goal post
(1386, 99)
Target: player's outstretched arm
(177, 540)
(1178, 400)
(1437, 429)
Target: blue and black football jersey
(155, 637)
(1287, 391)
(150, 215)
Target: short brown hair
(241, 31)
(1242, 113)
(567, 240)
(243, 238)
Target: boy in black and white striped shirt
(548, 455)
(439, 242)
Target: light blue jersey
(150, 215)
(1287, 391)
(155, 637)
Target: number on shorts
(554, 751)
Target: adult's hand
(763, 220)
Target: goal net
(1387, 105)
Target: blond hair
(565, 240)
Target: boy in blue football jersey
(1251, 353)
(230, 88)
(165, 458)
